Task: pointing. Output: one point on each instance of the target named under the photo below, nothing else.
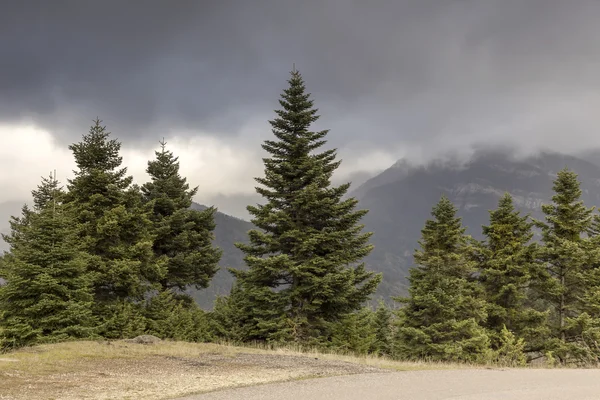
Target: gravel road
(430, 385)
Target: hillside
(400, 203)
(228, 231)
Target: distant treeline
(103, 257)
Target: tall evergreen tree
(568, 254)
(304, 260)
(115, 226)
(441, 318)
(47, 295)
(587, 325)
(509, 272)
(183, 236)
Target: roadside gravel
(510, 384)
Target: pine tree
(47, 296)
(509, 350)
(383, 324)
(569, 256)
(509, 273)
(230, 317)
(47, 194)
(172, 318)
(441, 318)
(115, 225)
(182, 236)
(587, 325)
(354, 333)
(304, 260)
(121, 319)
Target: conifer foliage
(354, 333)
(183, 236)
(304, 260)
(107, 258)
(509, 273)
(115, 226)
(47, 296)
(383, 329)
(570, 257)
(441, 320)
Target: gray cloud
(409, 73)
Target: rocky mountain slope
(400, 203)
(229, 230)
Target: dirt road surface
(529, 384)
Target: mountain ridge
(400, 198)
(399, 208)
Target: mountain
(228, 231)
(591, 155)
(400, 200)
(399, 170)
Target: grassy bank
(123, 370)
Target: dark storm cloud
(408, 70)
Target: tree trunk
(561, 311)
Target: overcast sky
(392, 79)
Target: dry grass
(367, 360)
(120, 370)
(166, 370)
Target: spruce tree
(304, 260)
(231, 317)
(569, 256)
(115, 225)
(510, 272)
(441, 318)
(183, 237)
(587, 324)
(509, 350)
(47, 194)
(170, 317)
(354, 333)
(383, 323)
(47, 295)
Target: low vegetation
(168, 369)
(105, 259)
